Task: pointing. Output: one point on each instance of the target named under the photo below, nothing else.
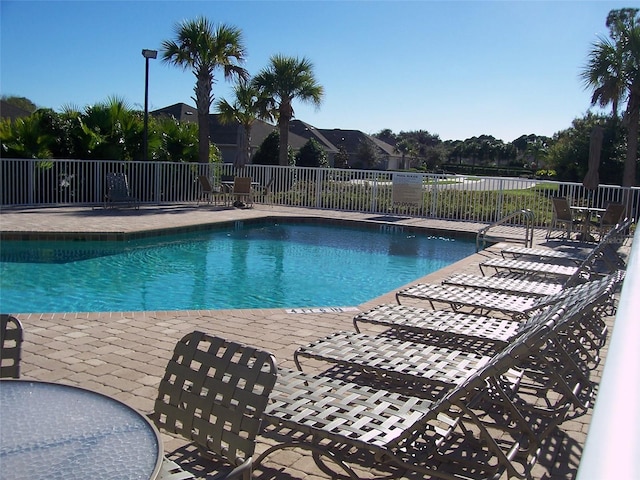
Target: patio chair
(118, 191)
(242, 191)
(458, 435)
(562, 217)
(610, 219)
(11, 337)
(212, 194)
(266, 192)
(471, 300)
(213, 393)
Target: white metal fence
(479, 199)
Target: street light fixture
(147, 54)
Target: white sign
(407, 189)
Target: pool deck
(124, 354)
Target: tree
(613, 73)
(387, 136)
(112, 131)
(284, 80)
(341, 159)
(179, 140)
(20, 102)
(248, 105)
(267, 153)
(568, 153)
(368, 156)
(25, 138)
(203, 48)
(312, 155)
(531, 149)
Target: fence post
(31, 173)
(374, 196)
(319, 185)
(434, 197)
(499, 201)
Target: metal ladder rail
(481, 237)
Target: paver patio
(124, 354)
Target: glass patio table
(53, 431)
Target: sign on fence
(407, 189)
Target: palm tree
(111, 130)
(613, 72)
(203, 47)
(284, 80)
(248, 105)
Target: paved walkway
(124, 354)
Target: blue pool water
(255, 266)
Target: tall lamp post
(147, 54)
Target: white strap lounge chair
(612, 238)
(483, 302)
(548, 269)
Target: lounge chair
(118, 192)
(471, 300)
(562, 217)
(484, 302)
(514, 251)
(11, 337)
(555, 270)
(611, 238)
(455, 436)
(511, 283)
(394, 357)
(213, 393)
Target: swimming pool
(263, 265)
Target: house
(227, 137)
(351, 142)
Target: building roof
(299, 132)
(180, 111)
(307, 131)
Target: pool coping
(222, 224)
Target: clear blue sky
(456, 68)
